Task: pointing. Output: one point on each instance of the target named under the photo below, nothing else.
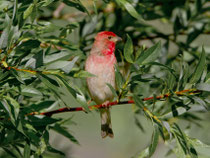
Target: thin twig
(169, 35)
(5, 66)
(94, 107)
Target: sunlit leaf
(128, 50)
(150, 54)
(83, 74)
(28, 11)
(131, 10)
(203, 87)
(30, 91)
(199, 69)
(154, 143)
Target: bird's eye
(109, 37)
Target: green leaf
(199, 69)
(66, 66)
(56, 56)
(150, 54)
(3, 75)
(172, 71)
(46, 2)
(185, 149)
(128, 50)
(42, 147)
(16, 75)
(64, 132)
(41, 120)
(154, 143)
(83, 74)
(36, 61)
(28, 11)
(112, 89)
(203, 87)
(198, 5)
(174, 111)
(119, 78)
(131, 10)
(200, 101)
(76, 4)
(181, 150)
(197, 142)
(144, 153)
(72, 92)
(15, 12)
(13, 153)
(38, 107)
(8, 33)
(15, 107)
(51, 84)
(53, 150)
(138, 101)
(139, 124)
(8, 109)
(27, 151)
(29, 44)
(31, 92)
(67, 85)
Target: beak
(117, 39)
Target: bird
(101, 63)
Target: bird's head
(105, 42)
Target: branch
(169, 35)
(6, 67)
(94, 107)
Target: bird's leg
(106, 126)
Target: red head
(105, 43)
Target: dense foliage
(43, 48)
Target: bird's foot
(105, 105)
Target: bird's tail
(106, 126)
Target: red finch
(101, 63)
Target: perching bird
(101, 63)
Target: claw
(105, 105)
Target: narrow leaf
(150, 54)
(31, 92)
(199, 69)
(65, 133)
(131, 10)
(154, 143)
(138, 101)
(83, 74)
(203, 87)
(128, 50)
(27, 151)
(28, 11)
(112, 89)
